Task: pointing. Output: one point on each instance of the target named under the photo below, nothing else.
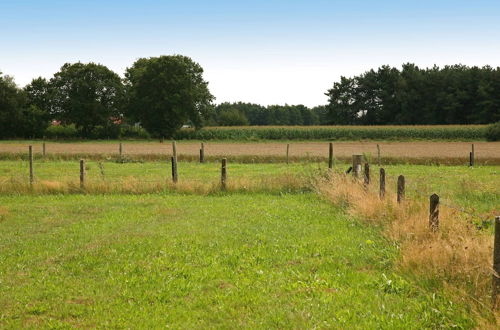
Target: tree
(12, 102)
(88, 95)
(232, 117)
(166, 92)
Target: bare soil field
(410, 150)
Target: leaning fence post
(202, 153)
(496, 266)
(174, 169)
(30, 157)
(382, 184)
(82, 173)
(330, 156)
(434, 212)
(223, 176)
(367, 174)
(356, 165)
(401, 188)
(287, 152)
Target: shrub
(61, 132)
(493, 132)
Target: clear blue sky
(269, 52)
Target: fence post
(43, 149)
(356, 165)
(471, 156)
(202, 153)
(120, 150)
(223, 177)
(174, 169)
(401, 188)
(496, 266)
(378, 155)
(367, 174)
(287, 152)
(174, 150)
(330, 156)
(82, 173)
(434, 212)
(382, 184)
(30, 157)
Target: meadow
(284, 246)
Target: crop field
(423, 152)
(399, 133)
(281, 247)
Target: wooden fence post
(401, 188)
(367, 174)
(174, 150)
(30, 157)
(356, 165)
(120, 150)
(43, 149)
(223, 177)
(382, 184)
(496, 266)
(378, 155)
(330, 156)
(82, 173)
(202, 153)
(287, 152)
(174, 169)
(434, 212)
(471, 156)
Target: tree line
(455, 94)
(161, 93)
(158, 95)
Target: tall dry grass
(133, 185)
(457, 257)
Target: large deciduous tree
(87, 95)
(166, 92)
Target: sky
(266, 52)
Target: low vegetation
(331, 133)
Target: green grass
(220, 261)
(476, 189)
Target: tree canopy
(451, 95)
(167, 91)
(87, 95)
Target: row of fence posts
(434, 217)
(330, 153)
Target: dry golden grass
(440, 150)
(131, 185)
(458, 255)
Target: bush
(61, 132)
(493, 132)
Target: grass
(287, 246)
(457, 256)
(268, 261)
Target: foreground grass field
(220, 261)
